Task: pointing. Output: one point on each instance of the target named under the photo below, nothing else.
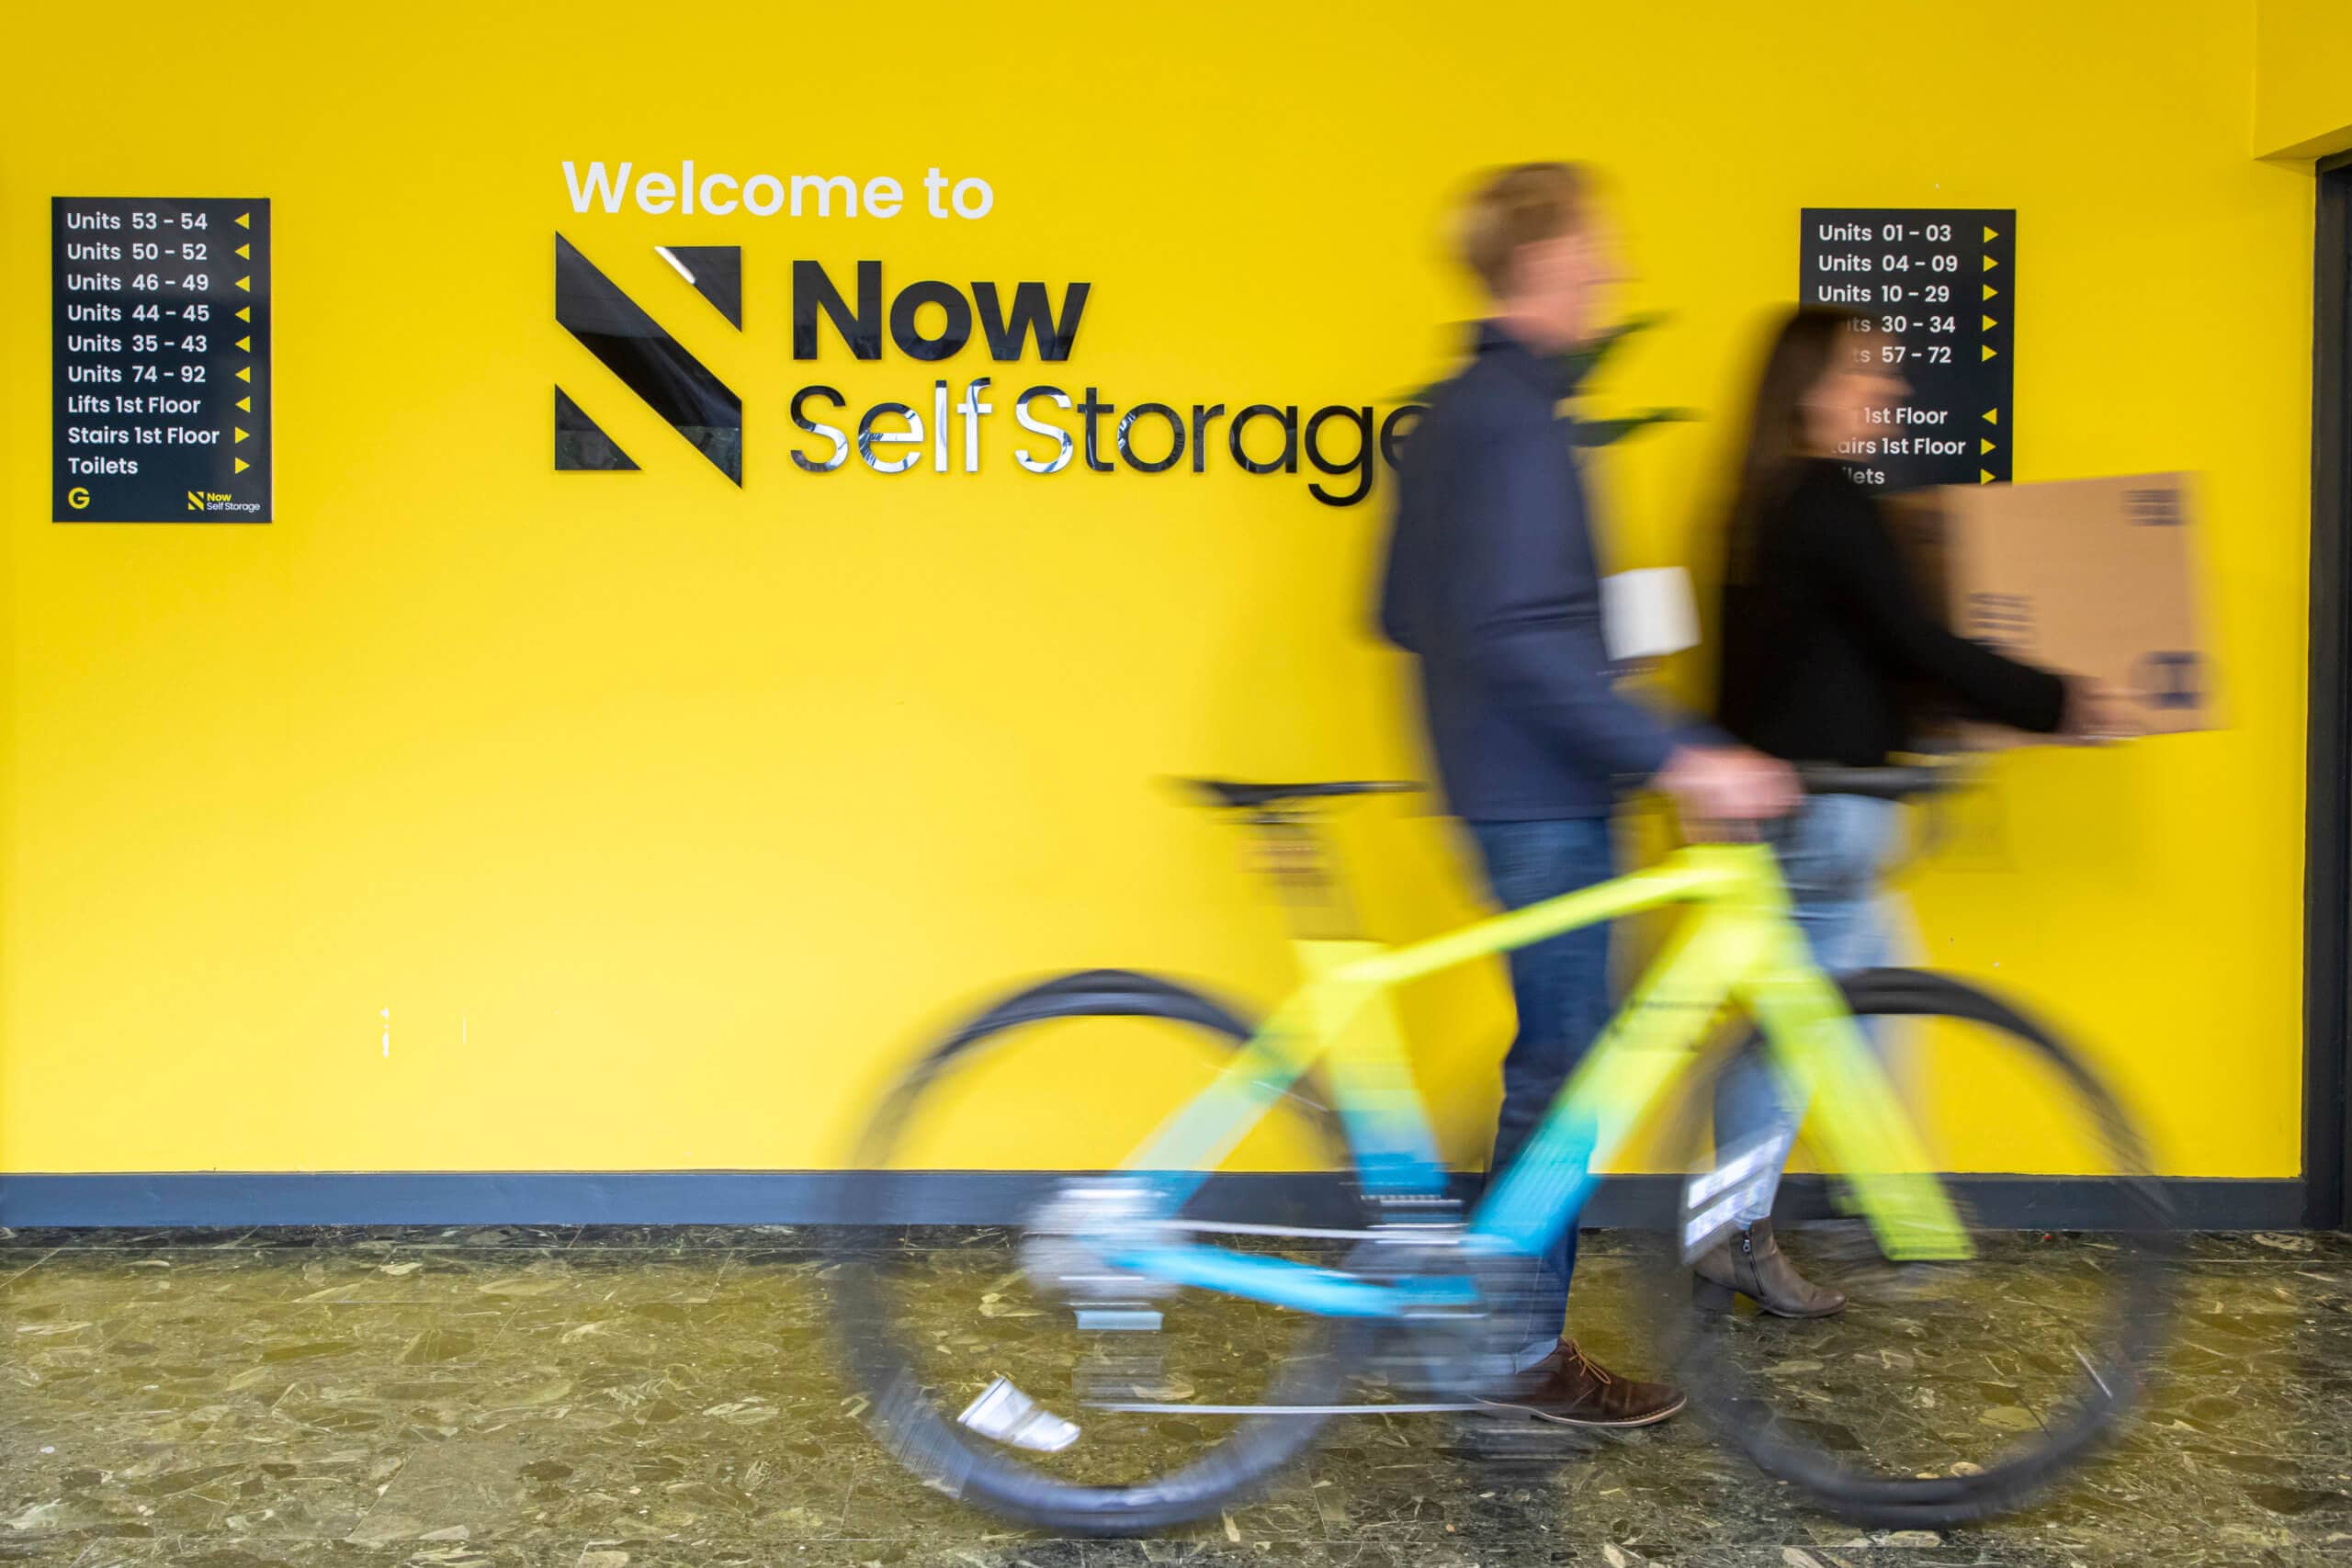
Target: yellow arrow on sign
(1991, 235)
(1989, 324)
(242, 432)
(242, 464)
(246, 402)
(244, 220)
(1983, 445)
(247, 283)
(1989, 352)
(247, 252)
(1992, 417)
(244, 312)
(1990, 292)
(1984, 476)
(247, 344)
(246, 374)
(1990, 263)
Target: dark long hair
(1804, 350)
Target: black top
(1491, 581)
(1827, 637)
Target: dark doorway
(2327, 1117)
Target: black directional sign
(1938, 286)
(159, 353)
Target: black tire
(2117, 1333)
(919, 1433)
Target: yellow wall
(661, 815)
(2302, 98)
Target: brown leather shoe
(1570, 1388)
(1752, 1263)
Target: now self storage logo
(944, 428)
(217, 501)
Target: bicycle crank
(1432, 1408)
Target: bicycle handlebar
(1894, 782)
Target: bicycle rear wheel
(1945, 1391)
(994, 1359)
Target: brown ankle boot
(1751, 1263)
(1570, 1388)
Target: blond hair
(1517, 207)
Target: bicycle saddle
(1238, 797)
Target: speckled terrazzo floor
(644, 1399)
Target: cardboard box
(2091, 576)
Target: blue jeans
(1831, 853)
(1560, 986)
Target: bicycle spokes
(1045, 1364)
(1945, 1387)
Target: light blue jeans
(1831, 853)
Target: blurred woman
(1826, 643)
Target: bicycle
(1115, 1374)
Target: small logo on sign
(219, 501)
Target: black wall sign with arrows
(1938, 287)
(161, 403)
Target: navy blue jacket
(1491, 581)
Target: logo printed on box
(2169, 680)
(2005, 620)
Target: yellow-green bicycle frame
(1739, 948)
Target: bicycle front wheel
(1007, 1363)
(1943, 1391)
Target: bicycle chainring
(1450, 1348)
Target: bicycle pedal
(1005, 1414)
(1118, 1320)
(1126, 1366)
(1503, 1444)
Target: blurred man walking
(1491, 581)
